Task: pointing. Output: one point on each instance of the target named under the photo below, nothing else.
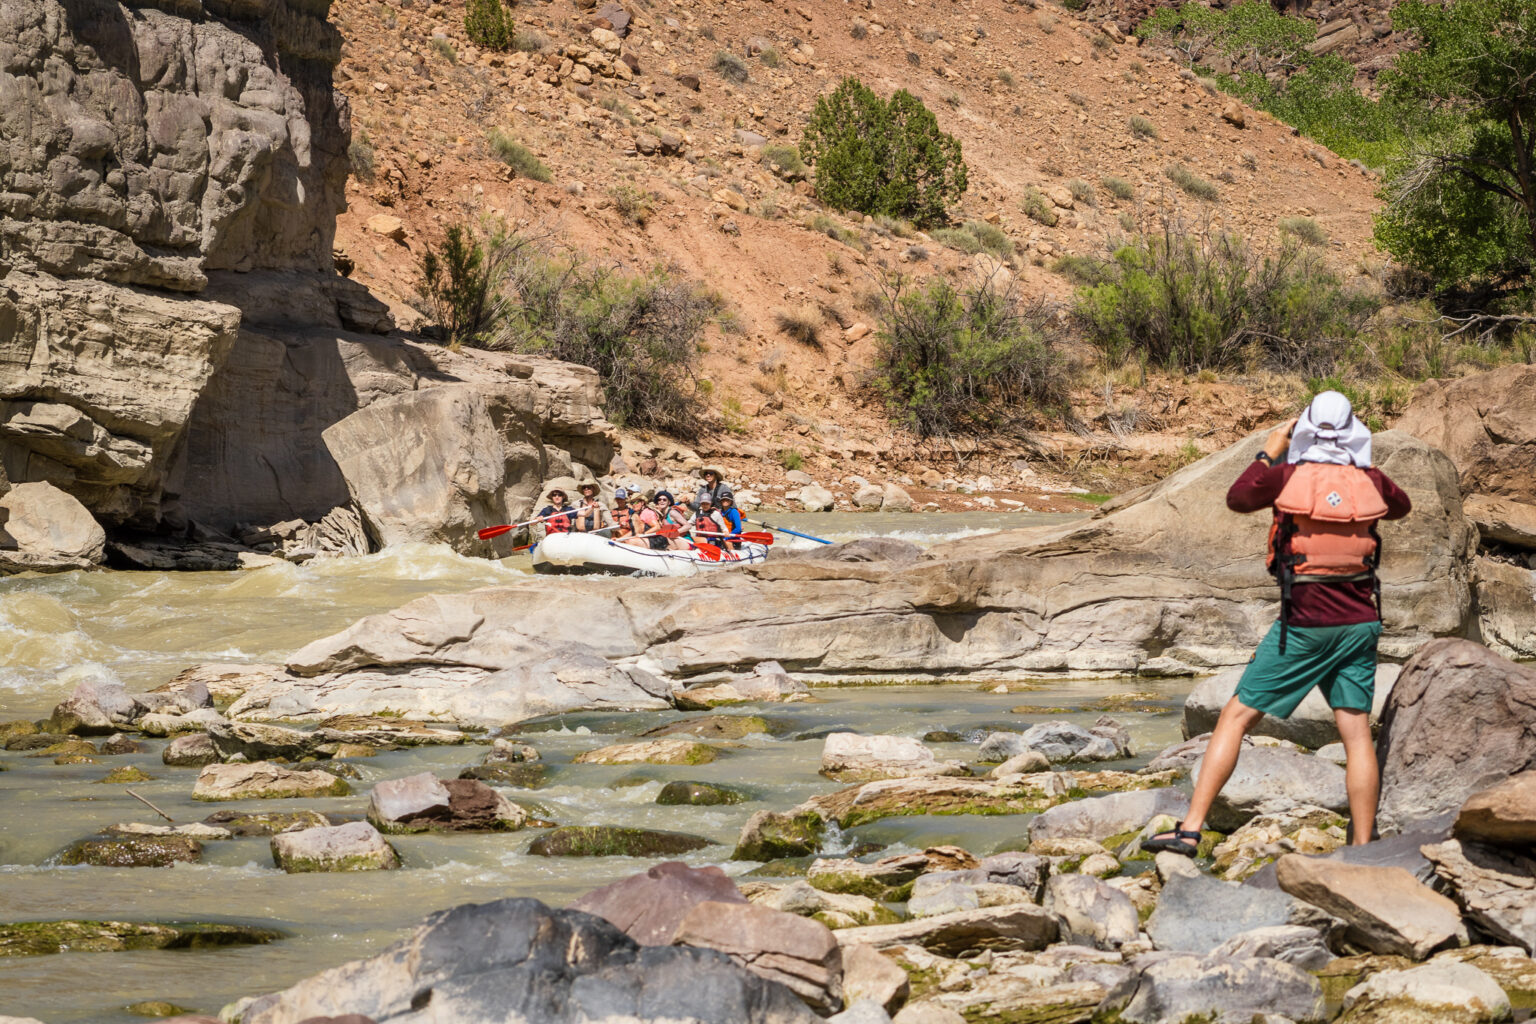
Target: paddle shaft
(785, 529)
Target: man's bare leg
(1362, 775)
(1220, 759)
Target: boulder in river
(614, 841)
(49, 531)
(1460, 719)
(262, 780)
(648, 907)
(793, 951)
(355, 846)
(700, 794)
(851, 757)
(424, 803)
(770, 835)
(517, 958)
(192, 750)
(650, 752)
(134, 852)
(96, 707)
(33, 938)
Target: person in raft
(1323, 550)
(557, 515)
(592, 515)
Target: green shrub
(517, 156)
(1118, 187)
(1192, 183)
(632, 204)
(957, 238)
(786, 158)
(1142, 128)
(951, 361)
(530, 42)
(769, 58)
(1083, 192)
(825, 225)
(976, 236)
(790, 459)
(1190, 299)
(882, 157)
(1304, 228)
(1079, 269)
(728, 65)
(360, 153)
(1038, 208)
(444, 49)
(460, 282)
(803, 323)
(488, 24)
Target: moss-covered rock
(19, 727)
(712, 727)
(265, 823)
(126, 774)
(156, 1008)
(614, 841)
(23, 741)
(36, 938)
(888, 883)
(65, 747)
(355, 846)
(769, 835)
(1020, 794)
(942, 736)
(524, 775)
(264, 780)
(134, 852)
(651, 752)
(705, 794)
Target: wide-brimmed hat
(590, 485)
(719, 473)
(556, 490)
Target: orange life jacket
(1324, 530)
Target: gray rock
(423, 803)
(96, 707)
(259, 742)
(948, 897)
(1427, 769)
(649, 907)
(263, 780)
(1064, 742)
(1186, 987)
(516, 958)
(190, 751)
(1104, 816)
(865, 1011)
(1017, 926)
(1091, 913)
(413, 796)
(1386, 909)
(1311, 725)
(1291, 943)
(1196, 913)
(1273, 780)
(1495, 886)
(355, 846)
(1025, 870)
(1436, 993)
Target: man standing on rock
(1323, 550)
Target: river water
(143, 627)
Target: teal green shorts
(1341, 660)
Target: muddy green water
(144, 627)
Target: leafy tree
(488, 24)
(880, 157)
(1462, 203)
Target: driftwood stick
(152, 807)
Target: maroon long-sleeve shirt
(1317, 604)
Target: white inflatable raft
(576, 553)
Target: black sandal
(1174, 841)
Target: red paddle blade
(709, 551)
(667, 531)
(493, 531)
(757, 538)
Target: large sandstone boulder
(1460, 719)
(52, 532)
(1506, 606)
(425, 466)
(1486, 423)
(517, 959)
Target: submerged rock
(614, 841)
(650, 752)
(518, 959)
(263, 780)
(850, 757)
(525, 775)
(130, 774)
(134, 852)
(355, 846)
(704, 794)
(265, 823)
(712, 727)
(770, 835)
(33, 938)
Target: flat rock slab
(793, 951)
(648, 907)
(265, 823)
(517, 959)
(1019, 794)
(134, 852)
(355, 846)
(1502, 813)
(1105, 816)
(1196, 913)
(32, 938)
(1017, 926)
(651, 752)
(1386, 909)
(263, 780)
(614, 841)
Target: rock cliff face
(173, 336)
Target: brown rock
(796, 952)
(689, 81)
(1428, 768)
(1503, 813)
(647, 145)
(1502, 519)
(1494, 885)
(1386, 909)
(868, 974)
(1234, 114)
(387, 225)
(1486, 423)
(649, 907)
(1013, 926)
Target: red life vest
(621, 520)
(1324, 530)
(559, 522)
